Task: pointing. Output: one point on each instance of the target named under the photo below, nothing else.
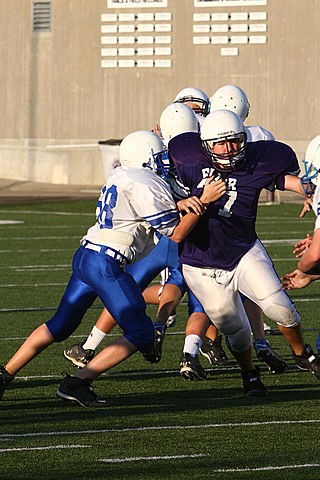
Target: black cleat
(266, 354)
(191, 369)
(75, 389)
(213, 351)
(5, 379)
(308, 360)
(252, 384)
(154, 353)
(78, 355)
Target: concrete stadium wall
(79, 83)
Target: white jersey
(256, 133)
(133, 204)
(316, 207)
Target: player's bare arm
(310, 261)
(195, 205)
(293, 184)
(212, 191)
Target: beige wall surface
(55, 90)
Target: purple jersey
(227, 230)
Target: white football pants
(255, 277)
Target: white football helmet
(311, 162)
(144, 149)
(194, 96)
(224, 126)
(232, 98)
(177, 118)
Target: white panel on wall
(109, 17)
(146, 40)
(109, 40)
(109, 52)
(145, 27)
(201, 17)
(201, 28)
(145, 51)
(229, 52)
(162, 51)
(257, 39)
(258, 15)
(126, 40)
(239, 39)
(109, 28)
(146, 17)
(219, 17)
(163, 27)
(126, 28)
(239, 16)
(145, 63)
(126, 63)
(163, 16)
(219, 39)
(126, 17)
(162, 63)
(201, 40)
(126, 52)
(165, 39)
(239, 27)
(258, 27)
(219, 28)
(109, 63)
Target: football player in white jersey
(175, 119)
(308, 249)
(134, 203)
(233, 98)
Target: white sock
(94, 339)
(192, 344)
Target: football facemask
(311, 178)
(159, 163)
(234, 155)
(198, 105)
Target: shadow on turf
(21, 409)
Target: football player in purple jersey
(134, 204)
(232, 97)
(223, 257)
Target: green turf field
(161, 426)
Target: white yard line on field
(162, 457)
(47, 447)
(158, 428)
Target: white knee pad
(240, 340)
(284, 314)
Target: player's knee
(60, 332)
(285, 315)
(239, 338)
(142, 338)
(239, 342)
